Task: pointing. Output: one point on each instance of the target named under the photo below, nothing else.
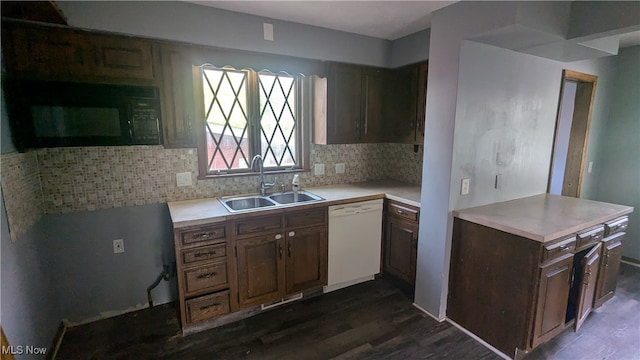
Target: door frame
(580, 126)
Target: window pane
(278, 123)
(225, 100)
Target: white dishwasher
(355, 242)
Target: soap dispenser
(295, 183)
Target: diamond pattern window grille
(226, 119)
(248, 113)
(278, 122)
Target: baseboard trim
(630, 261)
(428, 313)
(57, 341)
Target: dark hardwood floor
(374, 320)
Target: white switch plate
(268, 31)
(590, 167)
(340, 168)
(183, 179)
(118, 246)
(464, 187)
(318, 169)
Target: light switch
(268, 31)
(498, 182)
(590, 167)
(318, 169)
(340, 168)
(464, 187)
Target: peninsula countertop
(201, 211)
(543, 217)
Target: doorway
(572, 133)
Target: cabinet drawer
(258, 224)
(203, 235)
(207, 307)
(203, 253)
(616, 226)
(557, 249)
(402, 211)
(205, 277)
(306, 218)
(590, 236)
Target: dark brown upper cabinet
(406, 104)
(63, 54)
(354, 102)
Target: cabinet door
(587, 289)
(421, 108)
(306, 259)
(552, 300)
(402, 104)
(121, 57)
(343, 103)
(261, 269)
(609, 268)
(178, 99)
(47, 54)
(373, 90)
(401, 241)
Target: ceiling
(381, 19)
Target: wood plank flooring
(374, 320)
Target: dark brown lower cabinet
(553, 293)
(306, 259)
(276, 263)
(401, 240)
(609, 268)
(261, 269)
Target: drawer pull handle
(280, 251)
(214, 305)
(564, 247)
(401, 212)
(289, 249)
(210, 253)
(207, 275)
(202, 236)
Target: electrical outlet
(183, 179)
(118, 246)
(318, 169)
(340, 168)
(464, 187)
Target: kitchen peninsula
(524, 270)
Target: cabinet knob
(278, 236)
(292, 233)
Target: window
(248, 113)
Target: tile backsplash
(90, 178)
(21, 190)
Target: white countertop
(203, 211)
(543, 217)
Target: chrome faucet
(262, 186)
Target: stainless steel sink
(252, 202)
(291, 197)
(246, 203)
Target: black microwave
(55, 114)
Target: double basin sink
(251, 202)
